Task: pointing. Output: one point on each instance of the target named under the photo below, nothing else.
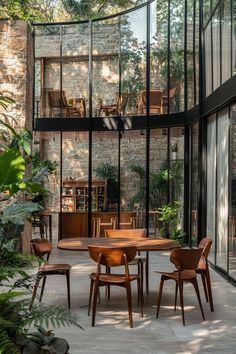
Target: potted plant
(169, 215)
(109, 173)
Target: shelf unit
(75, 196)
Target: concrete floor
(165, 335)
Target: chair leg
(204, 287)
(68, 287)
(140, 296)
(95, 295)
(129, 301)
(90, 295)
(160, 294)
(208, 281)
(176, 294)
(34, 291)
(195, 284)
(147, 273)
(42, 289)
(181, 286)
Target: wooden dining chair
(155, 102)
(186, 262)
(57, 102)
(139, 260)
(203, 269)
(42, 248)
(97, 224)
(111, 257)
(116, 109)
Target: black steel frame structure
(222, 97)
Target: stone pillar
(16, 81)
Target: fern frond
(55, 316)
(7, 345)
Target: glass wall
(105, 179)
(133, 178)
(211, 183)
(74, 184)
(222, 175)
(194, 183)
(219, 37)
(158, 177)
(105, 63)
(133, 48)
(217, 186)
(232, 194)
(46, 153)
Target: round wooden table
(142, 244)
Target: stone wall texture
(16, 70)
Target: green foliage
(158, 184)
(43, 339)
(39, 165)
(85, 9)
(5, 101)
(169, 215)
(109, 173)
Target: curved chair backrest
(57, 98)
(185, 258)
(41, 247)
(112, 256)
(126, 233)
(172, 92)
(205, 243)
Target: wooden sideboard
(74, 224)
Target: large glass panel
(177, 11)
(46, 154)
(208, 60)
(47, 68)
(226, 39)
(104, 182)
(75, 68)
(158, 182)
(74, 197)
(234, 36)
(206, 11)
(194, 183)
(216, 49)
(211, 183)
(190, 55)
(197, 13)
(133, 59)
(176, 174)
(106, 72)
(232, 196)
(222, 188)
(132, 179)
(159, 49)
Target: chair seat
(138, 259)
(55, 267)
(183, 275)
(113, 278)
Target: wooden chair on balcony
(113, 257)
(116, 109)
(42, 248)
(58, 105)
(186, 263)
(155, 104)
(172, 93)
